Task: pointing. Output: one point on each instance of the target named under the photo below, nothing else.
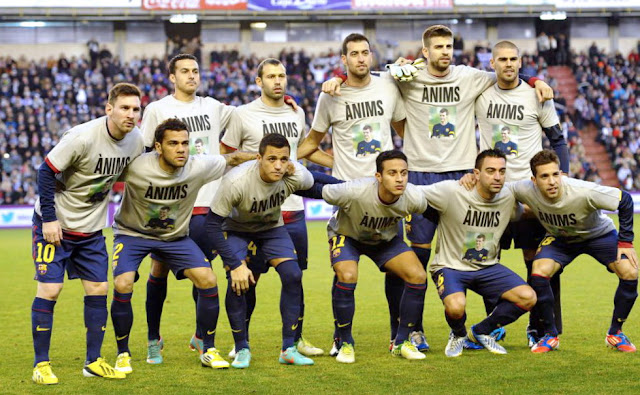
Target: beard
(360, 74)
(435, 64)
(274, 96)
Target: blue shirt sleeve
(47, 190)
(625, 216)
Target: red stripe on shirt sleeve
(51, 166)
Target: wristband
(533, 80)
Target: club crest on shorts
(335, 253)
(42, 268)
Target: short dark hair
(367, 127)
(122, 89)
(444, 111)
(542, 158)
(388, 155)
(508, 129)
(481, 236)
(169, 124)
(505, 44)
(353, 37)
(199, 140)
(488, 153)
(273, 140)
(165, 208)
(270, 61)
(435, 31)
(178, 57)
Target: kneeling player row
(472, 221)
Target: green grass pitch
(583, 364)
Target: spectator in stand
(543, 45)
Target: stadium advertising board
(578, 4)
(400, 4)
(72, 4)
(503, 2)
(194, 4)
(305, 5)
(317, 209)
(16, 216)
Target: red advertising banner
(224, 4)
(194, 5)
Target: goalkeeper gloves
(406, 72)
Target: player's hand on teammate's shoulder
(238, 157)
(544, 91)
(52, 232)
(332, 86)
(468, 181)
(241, 279)
(291, 169)
(404, 70)
(290, 101)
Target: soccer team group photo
(488, 185)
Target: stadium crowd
(609, 96)
(40, 100)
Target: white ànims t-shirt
(439, 135)
(251, 204)
(89, 161)
(362, 216)
(204, 116)
(251, 122)
(470, 227)
(360, 120)
(577, 215)
(156, 204)
(519, 116)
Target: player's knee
(543, 267)
(49, 291)
(455, 311)
(528, 298)
(159, 269)
(92, 288)
(202, 278)
(455, 307)
(123, 283)
(347, 276)
(627, 272)
(417, 276)
(290, 273)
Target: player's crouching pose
(166, 178)
(366, 223)
(475, 220)
(247, 207)
(67, 224)
(245, 131)
(569, 209)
